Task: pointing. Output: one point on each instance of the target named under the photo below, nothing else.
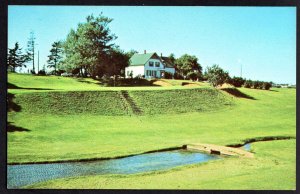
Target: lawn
(264, 172)
(62, 127)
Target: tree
(15, 58)
(216, 75)
(187, 63)
(131, 53)
(237, 81)
(30, 49)
(117, 60)
(88, 47)
(267, 85)
(192, 75)
(55, 55)
(172, 58)
(257, 84)
(248, 83)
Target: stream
(27, 174)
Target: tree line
(89, 50)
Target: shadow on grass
(86, 81)
(273, 90)
(235, 92)
(13, 128)
(11, 105)
(12, 86)
(128, 82)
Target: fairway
(70, 119)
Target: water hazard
(27, 174)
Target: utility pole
(241, 70)
(38, 61)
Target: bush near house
(216, 75)
(41, 72)
(258, 85)
(248, 84)
(178, 76)
(237, 81)
(267, 85)
(192, 76)
(168, 75)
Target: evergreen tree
(30, 49)
(15, 58)
(87, 48)
(55, 55)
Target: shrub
(237, 81)
(192, 75)
(178, 76)
(216, 75)
(257, 85)
(168, 75)
(267, 85)
(42, 72)
(260, 85)
(248, 84)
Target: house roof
(167, 62)
(140, 59)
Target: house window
(156, 64)
(151, 63)
(128, 72)
(154, 73)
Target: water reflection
(21, 175)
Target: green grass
(76, 136)
(52, 82)
(180, 101)
(112, 103)
(27, 83)
(73, 102)
(73, 135)
(273, 168)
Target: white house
(149, 65)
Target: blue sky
(261, 39)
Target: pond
(27, 174)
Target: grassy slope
(76, 136)
(72, 102)
(179, 101)
(46, 83)
(112, 103)
(274, 167)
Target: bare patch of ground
(220, 150)
(161, 83)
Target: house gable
(140, 59)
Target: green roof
(140, 59)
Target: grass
(264, 172)
(49, 136)
(26, 83)
(180, 101)
(72, 102)
(112, 102)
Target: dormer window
(151, 63)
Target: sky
(260, 41)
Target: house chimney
(160, 54)
(145, 52)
